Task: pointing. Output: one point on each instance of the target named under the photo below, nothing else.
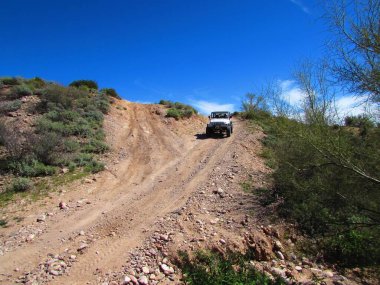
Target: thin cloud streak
(300, 5)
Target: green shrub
(10, 106)
(83, 159)
(36, 83)
(19, 91)
(94, 166)
(71, 145)
(212, 268)
(326, 178)
(173, 113)
(32, 169)
(95, 146)
(91, 84)
(111, 92)
(10, 81)
(20, 184)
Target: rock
(82, 247)
(41, 218)
(214, 221)
(298, 268)
(54, 272)
(278, 246)
(145, 270)
(152, 277)
(63, 205)
(30, 237)
(167, 269)
(143, 280)
(88, 181)
(278, 272)
(280, 255)
(65, 170)
(126, 280)
(81, 233)
(222, 241)
(328, 273)
(73, 257)
(133, 279)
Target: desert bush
(110, 92)
(94, 166)
(10, 81)
(32, 168)
(95, 146)
(91, 84)
(10, 106)
(71, 145)
(36, 83)
(214, 268)
(20, 184)
(19, 91)
(173, 113)
(327, 179)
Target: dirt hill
(166, 188)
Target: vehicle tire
(208, 131)
(228, 131)
(232, 129)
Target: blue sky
(207, 53)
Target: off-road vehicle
(220, 122)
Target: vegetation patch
(213, 268)
(66, 130)
(178, 110)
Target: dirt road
(159, 165)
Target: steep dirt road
(158, 169)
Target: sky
(207, 53)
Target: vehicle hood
(225, 121)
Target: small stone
(88, 181)
(41, 219)
(30, 237)
(280, 255)
(65, 170)
(54, 272)
(152, 277)
(278, 246)
(126, 280)
(82, 247)
(63, 205)
(222, 241)
(73, 257)
(298, 268)
(328, 273)
(81, 233)
(214, 221)
(143, 280)
(145, 270)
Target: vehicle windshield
(219, 115)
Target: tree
(312, 79)
(254, 103)
(356, 45)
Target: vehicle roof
(220, 112)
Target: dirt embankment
(167, 187)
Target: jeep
(220, 122)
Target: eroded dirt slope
(167, 187)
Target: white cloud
(349, 105)
(291, 93)
(206, 107)
(302, 6)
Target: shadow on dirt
(213, 136)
